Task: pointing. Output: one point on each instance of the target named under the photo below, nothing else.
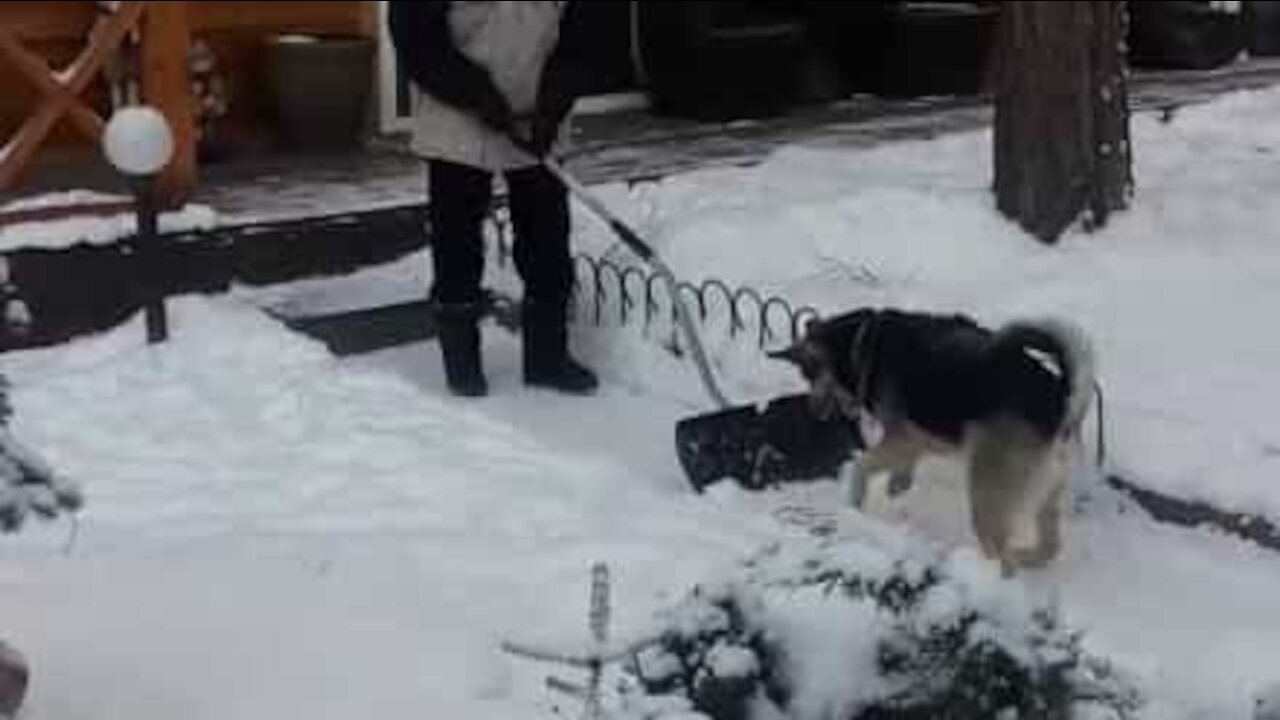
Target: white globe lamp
(138, 141)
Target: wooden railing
(164, 33)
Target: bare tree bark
(1062, 151)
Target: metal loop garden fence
(607, 291)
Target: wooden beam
(43, 21)
(166, 36)
(34, 68)
(315, 17)
(25, 143)
(61, 212)
(367, 21)
(104, 40)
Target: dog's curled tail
(1078, 360)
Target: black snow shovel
(756, 446)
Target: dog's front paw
(853, 485)
(900, 482)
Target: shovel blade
(757, 448)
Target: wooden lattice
(165, 33)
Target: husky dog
(1011, 401)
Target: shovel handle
(645, 251)
(624, 232)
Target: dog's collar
(862, 360)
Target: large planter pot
(854, 36)
(722, 60)
(1262, 23)
(321, 87)
(1183, 35)
(937, 48)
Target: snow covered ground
(95, 230)
(274, 532)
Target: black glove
(535, 134)
(492, 109)
(542, 135)
(555, 100)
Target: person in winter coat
(490, 72)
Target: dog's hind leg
(897, 453)
(1049, 526)
(988, 520)
(1050, 493)
(1004, 462)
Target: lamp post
(139, 143)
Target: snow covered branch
(860, 629)
(28, 485)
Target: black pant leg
(459, 200)
(540, 218)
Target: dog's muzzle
(829, 401)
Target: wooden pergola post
(166, 37)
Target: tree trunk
(1062, 149)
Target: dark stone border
(355, 332)
(1186, 513)
(87, 289)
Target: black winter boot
(547, 362)
(460, 345)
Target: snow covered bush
(28, 486)
(844, 630)
(1266, 705)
